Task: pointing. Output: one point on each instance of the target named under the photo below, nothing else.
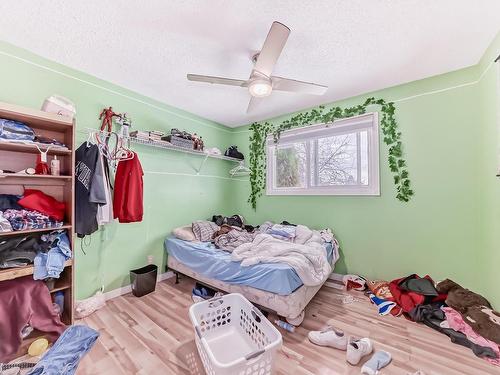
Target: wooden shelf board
(26, 342)
(61, 287)
(33, 176)
(31, 148)
(14, 273)
(29, 231)
(35, 118)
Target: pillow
(184, 233)
(204, 230)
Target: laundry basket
(233, 337)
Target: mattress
(205, 259)
(290, 306)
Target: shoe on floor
(329, 337)
(357, 349)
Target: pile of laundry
(47, 253)
(467, 318)
(293, 244)
(33, 210)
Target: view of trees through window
(336, 160)
(291, 166)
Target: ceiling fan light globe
(260, 88)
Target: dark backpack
(233, 152)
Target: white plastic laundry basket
(233, 337)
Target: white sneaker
(329, 337)
(357, 349)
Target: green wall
(449, 229)
(440, 232)
(489, 183)
(173, 196)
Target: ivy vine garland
(392, 138)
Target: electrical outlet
(151, 259)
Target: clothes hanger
(240, 170)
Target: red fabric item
(408, 300)
(25, 301)
(41, 202)
(128, 194)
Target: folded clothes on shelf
(25, 219)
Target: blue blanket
(205, 259)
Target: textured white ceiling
(354, 46)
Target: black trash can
(143, 280)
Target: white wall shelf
(168, 146)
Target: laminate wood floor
(153, 335)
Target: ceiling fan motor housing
(260, 87)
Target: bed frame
(291, 306)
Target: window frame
(368, 121)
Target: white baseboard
(128, 288)
(336, 276)
(335, 281)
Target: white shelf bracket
(201, 165)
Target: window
(339, 158)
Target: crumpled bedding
(308, 260)
(232, 239)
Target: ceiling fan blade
(253, 103)
(285, 84)
(217, 80)
(271, 50)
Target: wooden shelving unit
(18, 156)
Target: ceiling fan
(261, 83)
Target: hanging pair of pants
(65, 355)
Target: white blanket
(309, 260)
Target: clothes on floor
(129, 190)
(50, 264)
(204, 230)
(24, 220)
(384, 306)
(423, 286)
(474, 308)
(37, 200)
(89, 188)
(380, 288)
(66, 354)
(455, 321)
(460, 298)
(432, 316)
(408, 292)
(29, 303)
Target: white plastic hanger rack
(239, 170)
